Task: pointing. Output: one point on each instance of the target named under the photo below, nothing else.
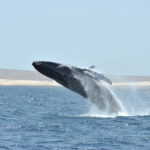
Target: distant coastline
(124, 84)
(10, 77)
(7, 82)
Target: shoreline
(6, 82)
(124, 84)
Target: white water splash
(96, 112)
(135, 100)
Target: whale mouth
(63, 74)
(51, 69)
(46, 68)
(44, 64)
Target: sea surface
(54, 118)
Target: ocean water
(54, 118)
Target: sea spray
(101, 95)
(136, 101)
(111, 101)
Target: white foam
(134, 106)
(96, 112)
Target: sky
(114, 35)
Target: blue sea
(54, 118)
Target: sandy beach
(28, 82)
(7, 82)
(119, 84)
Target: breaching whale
(83, 82)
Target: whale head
(63, 74)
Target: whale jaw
(51, 70)
(62, 74)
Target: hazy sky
(112, 34)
